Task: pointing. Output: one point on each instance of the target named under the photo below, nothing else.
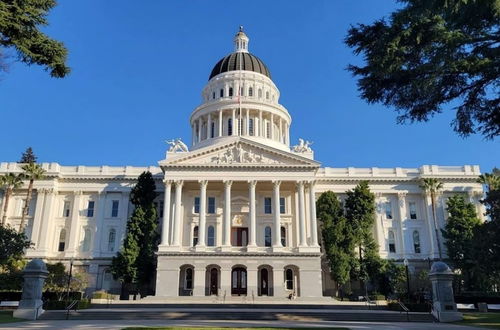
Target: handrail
(405, 309)
(74, 303)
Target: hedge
(62, 304)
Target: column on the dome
(220, 122)
(276, 233)
(312, 208)
(177, 222)
(260, 124)
(234, 125)
(247, 124)
(209, 126)
(203, 213)
(302, 215)
(253, 222)
(272, 126)
(166, 213)
(227, 214)
(193, 134)
(287, 132)
(281, 131)
(199, 129)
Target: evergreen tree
(28, 157)
(134, 264)
(19, 29)
(360, 215)
(459, 235)
(432, 54)
(337, 237)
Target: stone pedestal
(444, 306)
(34, 275)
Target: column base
(309, 249)
(277, 248)
(252, 248)
(168, 248)
(225, 248)
(199, 248)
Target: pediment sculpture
(237, 154)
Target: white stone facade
(237, 210)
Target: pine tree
(134, 264)
(28, 157)
(337, 237)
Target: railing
(74, 304)
(404, 309)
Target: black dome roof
(240, 61)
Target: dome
(240, 61)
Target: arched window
(86, 240)
(268, 130)
(267, 95)
(250, 126)
(230, 126)
(416, 241)
(250, 91)
(62, 240)
(267, 236)
(211, 236)
(289, 279)
(188, 279)
(230, 91)
(212, 130)
(195, 235)
(221, 93)
(260, 93)
(283, 236)
(111, 240)
(213, 95)
(392, 242)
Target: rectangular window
(114, 208)
(267, 205)
(392, 247)
(196, 205)
(211, 205)
(66, 209)
(413, 210)
(90, 209)
(388, 210)
(282, 205)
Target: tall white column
(37, 217)
(302, 215)
(209, 127)
(199, 129)
(247, 122)
(166, 213)
(193, 134)
(272, 126)
(430, 227)
(220, 122)
(74, 225)
(203, 212)
(227, 214)
(46, 225)
(99, 216)
(281, 131)
(253, 222)
(287, 134)
(178, 209)
(312, 208)
(234, 123)
(276, 234)
(260, 124)
(402, 218)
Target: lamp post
(69, 277)
(406, 262)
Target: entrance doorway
(239, 236)
(214, 281)
(239, 281)
(264, 282)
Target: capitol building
(237, 206)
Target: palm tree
(432, 186)
(492, 180)
(32, 171)
(9, 181)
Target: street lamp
(69, 277)
(406, 262)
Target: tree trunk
(438, 240)
(26, 206)
(8, 192)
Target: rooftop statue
(177, 145)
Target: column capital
(203, 183)
(227, 183)
(311, 182)
(252, 183)
(78, 192)
(299, 183)
(179, 183)
(276, 183)
(402, 195)
(379, 195)
(168, 182)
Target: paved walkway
(120, 324)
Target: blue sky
(138, 69)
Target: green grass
(6, 317)
(213, 328)
(485, 320)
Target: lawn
(182, 328)
(485, 320)
(6, 317)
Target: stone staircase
(231, 312)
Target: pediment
(240, 152)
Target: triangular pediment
(239, 152)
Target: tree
(58, 277)
(12, 245)
(459, 237)
(430, 54)
(9, 182)
(19, 29)
(432, 186)
(337, 237)
(134, 264)
(32, 172)
(491, 180)
(28, 157)
(360, 215)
